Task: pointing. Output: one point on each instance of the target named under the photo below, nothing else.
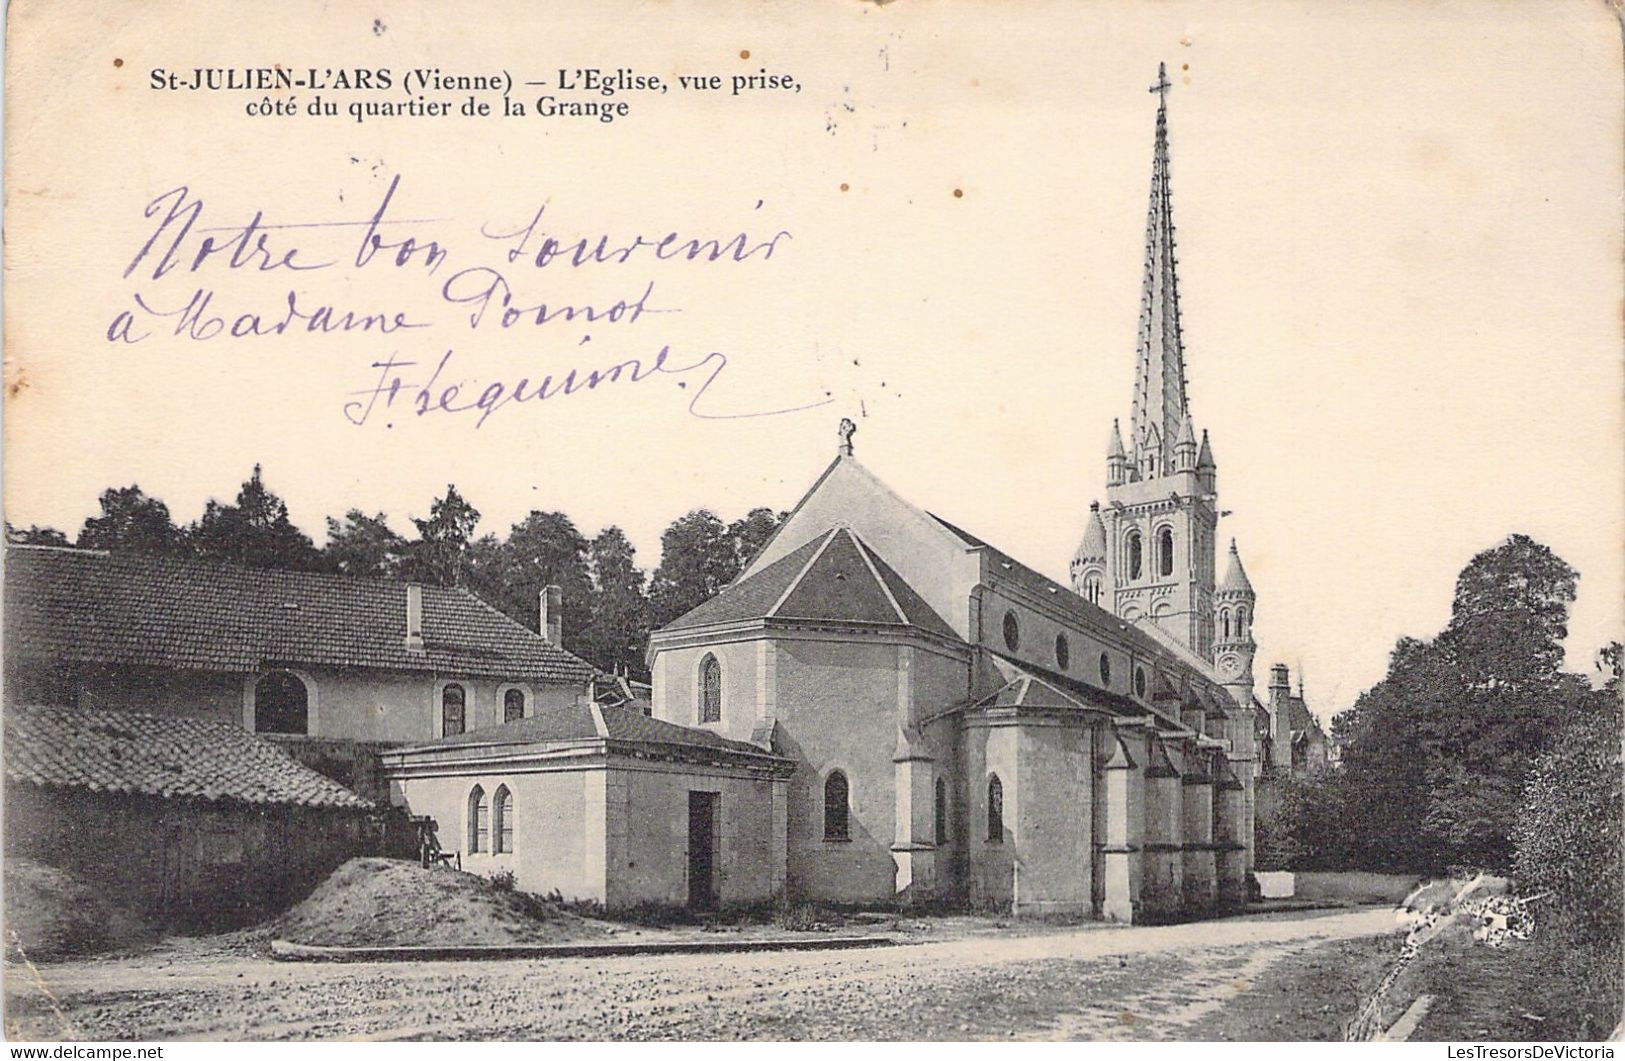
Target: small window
(281, 704)
(1012, 631)
(1224, 622)
(1165, 552)
(1139, 681)
(941, 817)
(710, 690)
(1105, 669)
(995, 810)
(513, 705)
(1241, 622)
(1063, 652)
(502, 811)
(479, 821)
(1136, 558)
(1091, 589)
(453, 709)
(836, 816)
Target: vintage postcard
(833, 520)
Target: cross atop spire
(1159, 379)
(1163, 84)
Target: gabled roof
(96, 607)
(832, 578)
(580, 722)
(175, 757)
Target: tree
(543, 549)
(752, 532)
(698, 556)
(618, 633)
(440, 554)
(255, 532)
(361, 544)
(36, 535)
(131, 521)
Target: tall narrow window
(479, 821)
(513, 705)
(502, 819)
(1241, 622)
(1012, 631)
(453, 709)
(1091, 589)
(1224, 622)
(1136, 557)
(836, 816)
(1063, 652)
(281, 704)
(1165, 552)
(710, 690)
(995, 810)
(941, 818)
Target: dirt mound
(50, 913)
(380, 902)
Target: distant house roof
(96, 607)
(126, 753)
(834, 577)
(580, 722)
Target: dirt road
(1071, 983)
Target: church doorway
(702, 832)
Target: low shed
(605, 804)
(191, 822)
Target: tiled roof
(576, 723)
(159, 755)
(835, 577)
(81, 605)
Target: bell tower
(1160, 515)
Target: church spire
(1159, 378)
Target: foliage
(1437, 754)
(34, 534)
(1568, 832)
(618, 633)
(131, 520)
(440, 554)
(363, 545)
(699, 555)
(254, 532)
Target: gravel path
(1073, 983)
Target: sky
(1399, 234)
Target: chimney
(552, 614)
(414, 618)
(1281, 716)
(1280, 685)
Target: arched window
(995, 810)
(1165, 552)
(941, 818)
(502, 822)
(1241, 621)
(1063, 652)
(1105, 669)
(1012, 631)
(479, 821)
(513, 705)
(453, 709)
(1136, 556)
(1224, 621)
(710, 690)
(1091, 589)
(281, 704)
(836, 815)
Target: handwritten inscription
(456, 282)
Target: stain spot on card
(744, 53)
(117, 63)
(959, 193)
(845, 187)
(378, 27)
(19, 383)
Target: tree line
(610, 603)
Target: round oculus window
(1063, 652)
(1105, 669)
(1139, 681)
(1012, 632)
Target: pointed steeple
(1204, 459)
(1093, 547)
(1235, 578)
(1159, 378)
(1185, 446)
(1116, 459)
